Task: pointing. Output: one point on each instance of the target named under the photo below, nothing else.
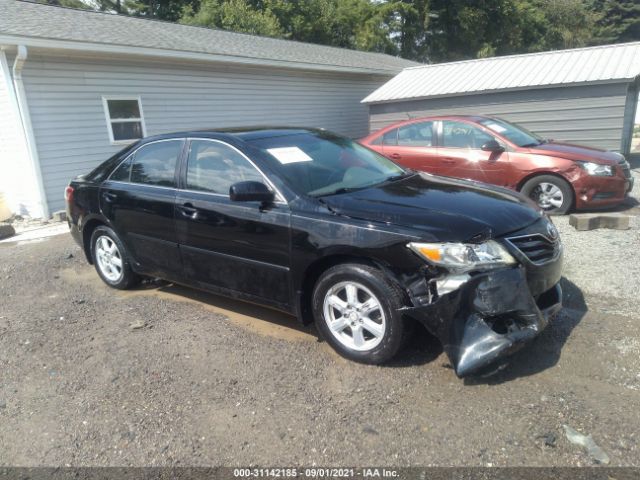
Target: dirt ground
(165, 375)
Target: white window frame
(105, 106)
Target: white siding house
(67, 76)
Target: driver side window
(463, 135)
(213, 167)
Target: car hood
(577, 152)
(443, 209)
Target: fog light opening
(501, 324)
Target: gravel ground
(164, 375)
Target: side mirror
(250, 192)
(492, 146)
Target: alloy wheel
(354, 316)
(109, 258)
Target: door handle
(109, 196)
(188, 210)
(395, 155)
(448, 160)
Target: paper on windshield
(287, 155)
(495, 127)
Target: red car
(557, 176)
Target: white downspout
(25, 119)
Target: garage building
(77, 86)
(587, 96)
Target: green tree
(405, 24)
(423, 30)
(619, 21)
(341, 23)
(362, 27)
(67, 3)
(236, 15)
(170, 10)
(570, 24)
(461, 29)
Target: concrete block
(6, 231)
(591, 221)
(60, 216)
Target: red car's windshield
(512, 132)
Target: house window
(124, 118)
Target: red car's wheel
(553, 194)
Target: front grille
(604, 195)
(536, 247)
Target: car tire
(553, 194)
(111, 260)
(367, 327)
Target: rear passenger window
(155, 164)
(214, 167)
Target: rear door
(138, 199)
(461, 156)
(241, 247)
(413, 146)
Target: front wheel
(553, 194)
(356, 312)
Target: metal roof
(56, 27)
(581, 65)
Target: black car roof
(242, 133)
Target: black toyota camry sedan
(319, 226)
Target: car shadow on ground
(422, 348)
(630, 205)
(545, 351)
(235, 309)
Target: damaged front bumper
(488, 317)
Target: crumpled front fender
(489, 317)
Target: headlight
(596, 169)
(463, 257)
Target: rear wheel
(356, 311)
(553, 194)
(111, 260)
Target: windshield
(320, 163)
(512, 132)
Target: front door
(461, 155)
(240, 247)
(138, 199)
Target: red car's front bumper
(596, 192)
